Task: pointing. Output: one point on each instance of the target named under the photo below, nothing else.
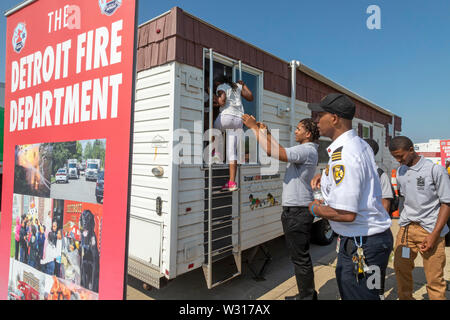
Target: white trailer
(178, 223)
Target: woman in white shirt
(230, 117)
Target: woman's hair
(311, 127)
(52, 238)
(226, 79)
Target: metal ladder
(219, 218)
(222, 227)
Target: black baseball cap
(336, 103)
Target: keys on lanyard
(359, 260)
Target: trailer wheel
(147, 287)
(321, 233)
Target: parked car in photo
(99, 186)
(62, 176)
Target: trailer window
(218, 69)
(366, 132)
(251, 77)
(251, 80)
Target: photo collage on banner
(57, 221)
(69, 100)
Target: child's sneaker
(232, 186)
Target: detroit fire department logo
(109, 7)
(338, 173)
(19, 37)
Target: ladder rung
(220, 257)
(224, 191)
(219, 222)
(217, 166)
(230, 224)
(223, 217)
(224, 237)
(218, 177)
(216, 187)
(219, 218)
(218, 196)
(225, 280)
(217, 239)
(222, 250)
(221, 207)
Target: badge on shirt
(338, 173)
(327, 170)
(420, 183)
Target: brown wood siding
(182, 38)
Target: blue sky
(403, 67)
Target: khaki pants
(433, 264)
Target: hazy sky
(403, 67)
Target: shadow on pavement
(192, 285)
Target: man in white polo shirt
(423, 220)
(352, 193)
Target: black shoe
(297, 297)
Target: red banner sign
(68, 107)
(445, 152)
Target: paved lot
(77, 190)
(279, 281)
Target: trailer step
(207, 271)
(224, 191)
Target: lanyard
(405, 231)
(360, 242)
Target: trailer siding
(191, 182)
(153, 105)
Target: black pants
(297, 224)
(377, 249)
(16, 254)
